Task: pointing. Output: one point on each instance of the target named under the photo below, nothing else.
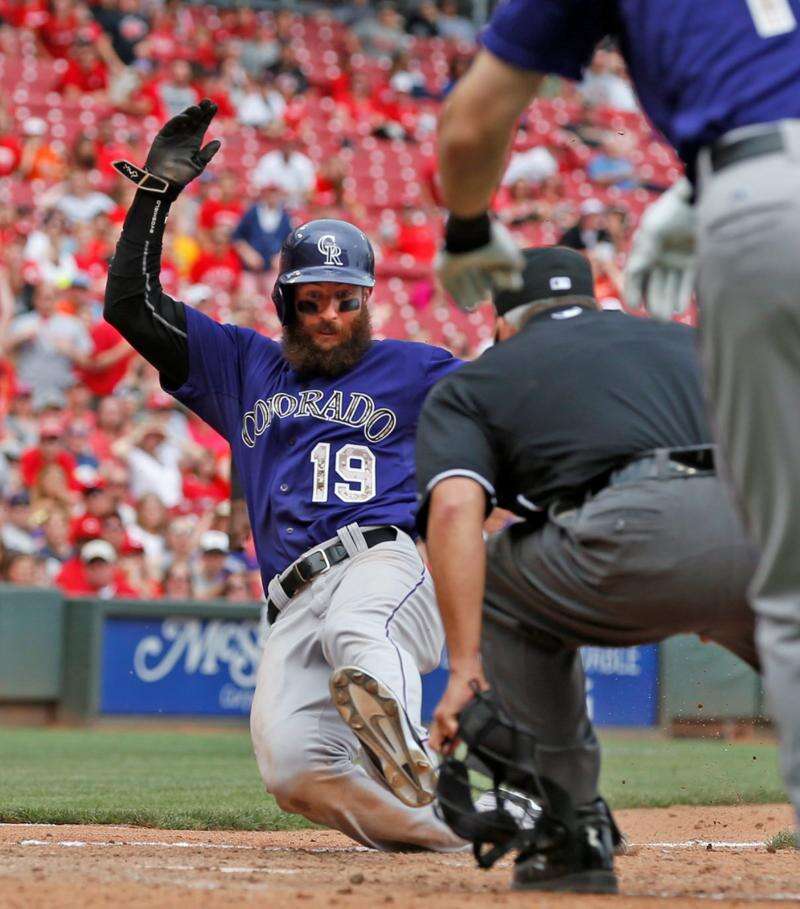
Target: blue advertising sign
(179, 666)
(622, 685)
(208, 667)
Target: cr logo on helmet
(329, 248)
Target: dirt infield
(685, 854)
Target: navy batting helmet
(323, 250)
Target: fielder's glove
(660, 272)
(478, 255)
(175, 157)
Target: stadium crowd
(107, 486)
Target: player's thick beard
(308, 360)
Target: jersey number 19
(355, 464)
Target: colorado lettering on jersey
(358, 411)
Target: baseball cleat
(375, 715)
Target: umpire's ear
(367, 294)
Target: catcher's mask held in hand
(176, 156)
(507, 753)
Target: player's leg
(307, 756)
(381, 630)
(749, 291)
(540, 684)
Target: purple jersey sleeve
(548, 36)
(213, 389)
(441, 364)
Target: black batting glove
(176, 156)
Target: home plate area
(685, 854)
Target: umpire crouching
(591, 427)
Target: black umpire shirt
(548, 414)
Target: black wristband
(465, 234)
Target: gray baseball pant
(749, 292)
(636, 563)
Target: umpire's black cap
(550, 271)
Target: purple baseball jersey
(312, 455)
(700, 67)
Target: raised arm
(152, 322)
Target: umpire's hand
(177, 154)
(478, 255)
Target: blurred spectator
(423, 20)
(589, 229)
(86, 73)
(381, 34)
(406, 77)
(80, 202)
(20, 569)
(209, 573)
(222, 204)
(179, 540)
(287, 64)
(534, 165)
(612, 166)
(289, 168)
(453, 25)
(45, 343)
(41, 160)
(177, 582)
(126, 25)
(55, 547)
(21, 430)
(153, 464)
(97, 506)
(16, 532)
(263, 228)
(50, 450)
(258, 104)
(148, 531)
(109, 427)
(218, 264)
(352, 12)
(607, 276)
(106, 362)
(52, 489)
(95, 573)
(49, 251)
(173, 93)
(415, 236)
(604, 85)
(237, 588)
(204, 485)
(259, 51)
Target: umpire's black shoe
(561, 861)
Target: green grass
(783, 840)
(209, 780)
(154, 779)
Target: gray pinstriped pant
(749, 293)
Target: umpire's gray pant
(635, 563)
(749, 291)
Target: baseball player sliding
(321, 429)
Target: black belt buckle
(316, 562)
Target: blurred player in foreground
(721, 80)
(322, 434)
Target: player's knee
(342, 641)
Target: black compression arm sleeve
(153, 323)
